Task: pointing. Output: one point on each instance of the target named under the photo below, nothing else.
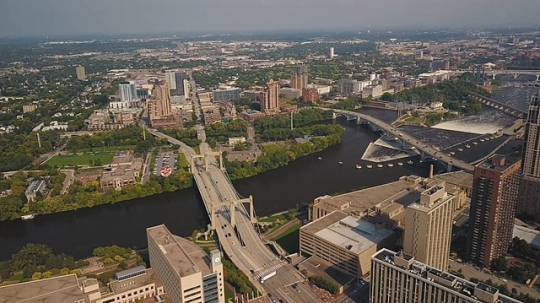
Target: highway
(410, 140)
(243, 246)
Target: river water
(124, 223)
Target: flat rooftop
(53, 290)
(532, 236)
(353, 234)
(135, 282)
(459, 178)
(494, 163)
(185, 257)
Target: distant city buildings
(493, 208)
(128, 91)
(270, 98)
(349, 87)
(310, 94)
(81, 74)
(226, 94)
(187, 272)
(28, 108)
(159, 109)
(428, 227)
(398, 278)
(331, 55)
(112, 119)
(178, 83)
(299, 76)
(529, 191)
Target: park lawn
(289, 239)
(281, 217)
(182, 161)
(81, 160)
(108, 149)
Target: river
(124, 223)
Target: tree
(36, 276)
(500, 264)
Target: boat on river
(28, 217)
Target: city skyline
(19, 18)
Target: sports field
(81, 160)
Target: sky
(83, 17)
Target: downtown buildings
(397, 277)
(493, 208)
(299, 76)
(159, 109)
(529, 191)
(178, 83)
(270, 98)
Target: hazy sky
(61, 17)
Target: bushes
(325, 284)
(237, 278)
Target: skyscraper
(493, 208)
(81, 74)
(428, 226)
(178, 83)
(188, 274)
(299, 76)
(331, 56)
(397, 277)
(529, 191)
(270, 98)
(127, 91)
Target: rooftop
(53, 290)
(135, 282)
(459, 178)
(185, 257)
(353, 234)
(530, 235)
(444, 280)
(498, 162)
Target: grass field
(81, 160)
(182, 161)
(289, 239)
(107, 149)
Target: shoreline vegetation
(315, 137)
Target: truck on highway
(267, 276)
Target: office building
(290, 92)
(270, 98)
(226, 94)
(428, 227)
(397, 277)
(128, 92)
(374, 91)
(344, 242)
(163, 101)
(299, 76)
(187, 272)
(349, 86)
(178, 83)
(81, 74)
(529, 191)
(493, 208)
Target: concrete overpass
(512, 111)
(232, 223)
(407, 141)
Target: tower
(270, 98)
(528, 202)
(493, 208)
(127, 91)
(428, 227)
(331, 56)
(81, 74)
(299, 76)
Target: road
(410, 140)
(68, 180)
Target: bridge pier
(210, 154)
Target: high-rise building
(398, 278)
(529, 191)
(493, 208)
(188, 274)
(128, 92)
(310, 94)
(331, 56)
(226, 94)
(270, 98)
(178, 83)
(428, 227)
(349, 86)
(299, 76)
(81, 74)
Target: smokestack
(431, 171)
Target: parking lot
(165, 159)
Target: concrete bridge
(514, 73)
(512, 111)
(407, 141)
